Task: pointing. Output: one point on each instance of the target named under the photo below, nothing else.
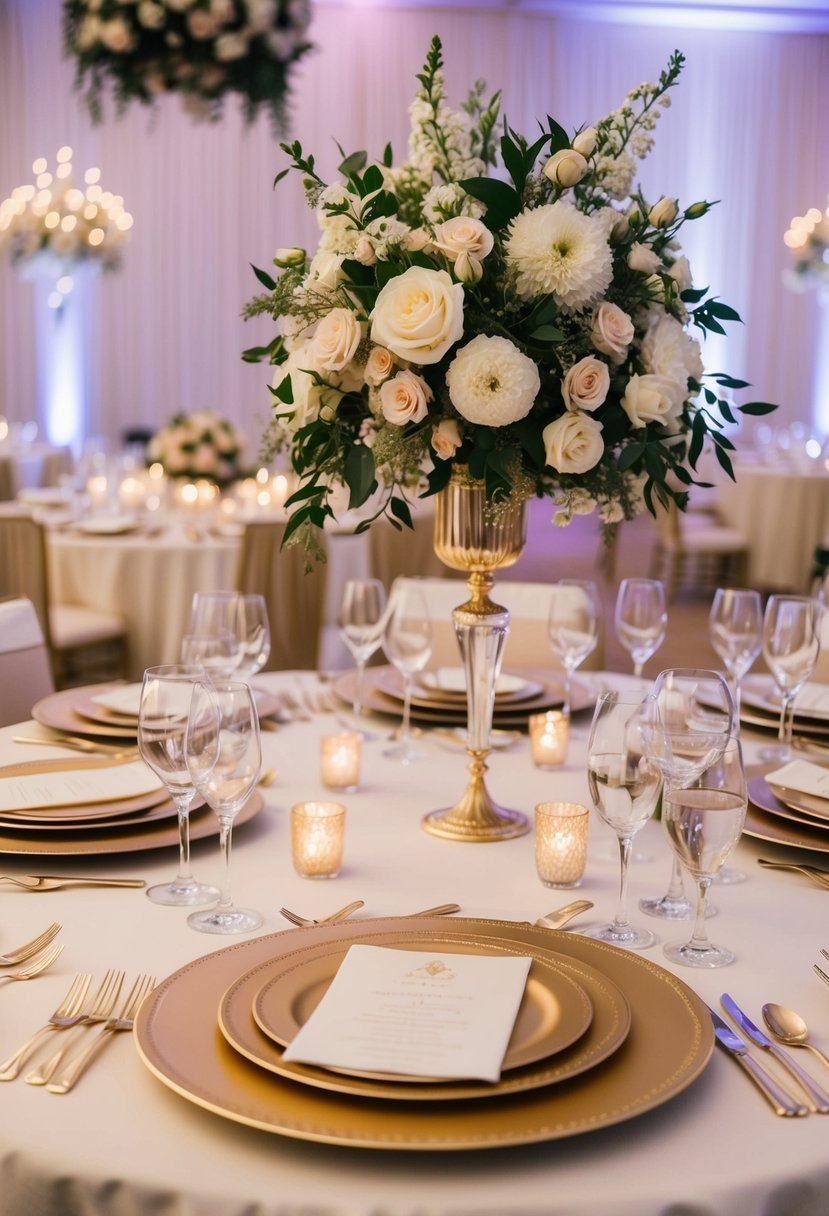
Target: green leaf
(400, 509)
(513, 159)
(725, 462)
(717, 309)
(547, 333)
(373, 178)
(502, 202)
(279, 178)
(295, 521)
(558, 136)
(353, 164)
(727, 381)
(726, 412)
(699, 430)
(284, 391)
(710, 396)
(756, 409)
(264, 278)
(255, 354)
(388, 156)
(693, 295)
(358, 474)
(629, 455)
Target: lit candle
(549, 736)
(560, 843)
(317, 832)
(97, 488)
(340, 761)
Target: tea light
(317, 831)
(560, 843)
(340, 761)
(549, 735)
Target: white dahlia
(491, 382)
(557, 249)
(667, 350)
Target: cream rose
(642, 257)
(573, 443)
(336, 339)
(379, 365)
(446, 438)
(115, 35)
(663, 213)
(463, 234)
(419, 315)
(650, 398)
(565, 168)
(291, 256)
(585, 141)
(404, 398)
(680, 272)
(612, 331)
(586, 385)
(364, 251)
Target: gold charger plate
(669, 1044)
(766, 819)
(608, 1028)
(75, 815)
(165, 809)
(58, 711)
(132, 838)
(391, 682)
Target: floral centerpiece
(536, 328)
(203, 445)
(202, 49)
(51, 224)
(808, 239)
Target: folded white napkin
(453, 679)
(801, 777)
(125, 699)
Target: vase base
(476, 819)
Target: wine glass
(217, 654)
(704, 819)
(641, 619)
(690, 718)
(573, 626)
(224, 757)
(213, 612)
(407, 642)
(166, 693)
(624, 786)
(360, 622)
(791, 642)
(253, 632)
(736, 628)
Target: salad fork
(101, 1008)
(68, 1013)
(123, 1021)
(37, 964)
(13, 957)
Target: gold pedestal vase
(478, 538)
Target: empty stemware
(360, 622)
(573, 626)
(736, 628)
(254, 636)
(791, 643)
(407, 642)
(641, 619)
(217, 654)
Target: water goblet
(791, 643)
(624, 785)
(407, 642)
(166, 693)
(213, 612)
(224, 757)
(217, 654)
(736, 628)
(573, 626)
(704, 820)
(254, 636)
(360, 622)
(641, 619)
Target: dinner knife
(818, 1098)
(780, 1099)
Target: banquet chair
(698, 550)
(25, 669)
(527, 643)
(295, 595)
(84, 644)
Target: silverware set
(32, 957)
(821, 877)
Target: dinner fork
(101, 1008)
(13, 957)
(341, 914)
(38, 964)
(821, 973)
(821, 877)
(67, 1014)
(77, 744)
(123, 1021)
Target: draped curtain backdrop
(164, 333)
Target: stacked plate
(786, 816)
(760, 707)
(602, 1035)
(439, 697)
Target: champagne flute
(736, 628)
(162, 721)
(791, 643)
(641, 619)
(624, 786)
(573, 627)
(704, 820)
(254, 636)
(407, 642)
(224, 757)
(360, 622)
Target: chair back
(23, 566)
(295, 596)
(25, 669)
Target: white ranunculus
(405, 398)
(565, 167)
(586, 385)
(335, 340)
(379, 365)
(573, 443)
(585, 141)
(557, 250)
(446, 438)
(419, 315)
(663, 213)
(492, 382)
(642, 257)
(651, 398)
(612, 331)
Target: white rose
(573, 443)
(202, 25)
(230, 46)
(585, 141)
(612, 331)
(325, 269)
(335, 340)
(680, 272)
(468, 269)
(404, 398)
(419, 315)
(364, 252)
(586, 385)
(663, 213)
(642, 257)
(292, 256)
(446, 438)
(463, 234)
(565, 168)
(379, 365)
(417, 239)
(89, 32)
(650, 398)
(115, 35)
(150, 15)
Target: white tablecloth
(123, 1144)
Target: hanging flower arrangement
(201, 49)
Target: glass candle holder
(560, 843)
(549, 737)
(340, 761)
(317, 833)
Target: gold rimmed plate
(58, 711)
(92, 813)
(770, 820)
(670, 1043)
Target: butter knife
(818, 1098)
(780, 1099)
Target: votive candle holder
(317, 836)
(549, 738)
(561, 843)
(340, 761)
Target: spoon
(789, 1027)
(555, 920)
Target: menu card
(416, 1013)
(78, 787)
(801, 777)
(813, 699)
